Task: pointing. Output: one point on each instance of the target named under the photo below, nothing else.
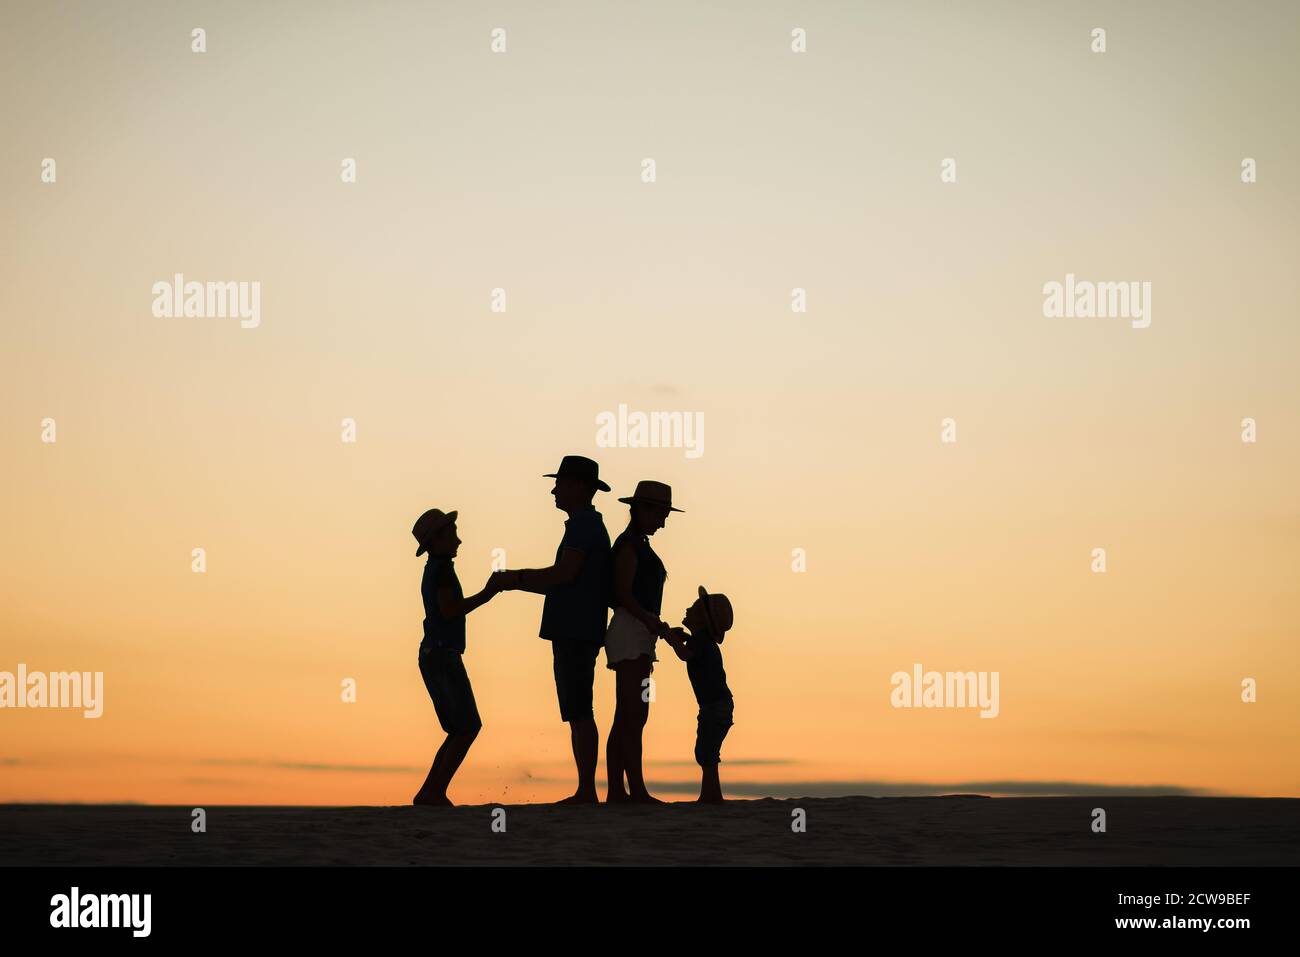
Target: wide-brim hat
(427, 525)
(652, 493)
(717, 608)
(579, 467)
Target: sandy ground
(850, 830)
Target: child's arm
(450, 606)
(676, 637)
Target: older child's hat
(427, 525)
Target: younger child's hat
(717, 608)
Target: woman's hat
(579, 467)
(427, 525)
(717, 608)
(652, 493)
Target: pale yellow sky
(774, 171)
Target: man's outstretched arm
(539, 580)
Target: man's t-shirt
(577, 611)
(708, 679)
(441, 632)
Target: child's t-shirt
(704, 668)
(441, 632)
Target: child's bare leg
(445, 764)
(428, 792)
(710, 785)
(459, 747)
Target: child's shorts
(444, 676)
(712, 726)
(628, 639)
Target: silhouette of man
(574, 612)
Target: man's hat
(649, 492)
(579, 467)
(427, 525)
(717, 608)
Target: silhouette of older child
(441, 662)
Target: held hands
(676, 638)
(654, 625)
(503, 581)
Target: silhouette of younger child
(708, 619)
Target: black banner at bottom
(329, 905)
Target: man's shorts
(711, 727)
(575, 673)
(444, 675)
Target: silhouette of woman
(637, 588)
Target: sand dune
(849, 830)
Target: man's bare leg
(585, 739)
(586, 746)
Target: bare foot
(645, 797)
(581, 797)
(710, 799)
(618, 797)
(432, 800)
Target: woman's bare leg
(615, 794)
(633, 699)
(615, 749)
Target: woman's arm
(624, 572)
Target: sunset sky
(775, 170)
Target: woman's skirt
(627, 639)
